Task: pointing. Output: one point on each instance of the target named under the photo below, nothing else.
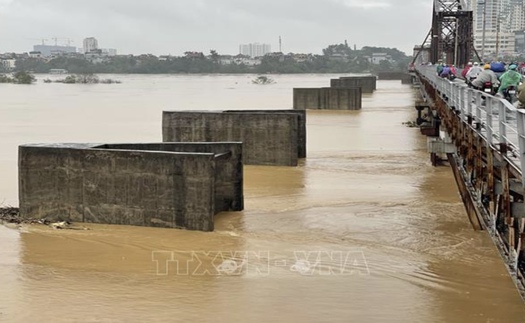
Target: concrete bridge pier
(269, 137)
(405, 78)
(171, 185)
(327, 98)
(368, 83)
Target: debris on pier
(10, 216)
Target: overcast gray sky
(176, 26)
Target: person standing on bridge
(486, 76)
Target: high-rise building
(519, 41)
(49, 50)
(500, 19)
(90, 44)
(255, 49)
(109, 51)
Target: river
(364, 230)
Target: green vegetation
(339, 58)
(81, 79)
(87, 78)
(20, 77)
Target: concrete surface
(171, 185)
(269, 137)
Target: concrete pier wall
(327, 98)
(368, 84)
(301, 148)
(405, 78)
(161, 185)
(269, 137)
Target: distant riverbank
(184, 65)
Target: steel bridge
(481, 136)
(450, 38)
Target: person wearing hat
(487, 75)
(509, 78)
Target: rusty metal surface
(452, 37)
(490, 138)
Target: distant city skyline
(255, 49)
(49, 50)
(173, 27)
(501, 19)
(90, 44)
(244, 49)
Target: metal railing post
(470, 97)
(488, 105)
(454, 95)
(520, 115)
(462, 106)
(451, 91)
(502, 127)
(478, 107)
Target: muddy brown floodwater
(365, 230)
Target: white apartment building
(502, 18)
(109, 51)
(377, 58)
(90, 44)
(255, 49)
(8, 64)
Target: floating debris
(59, 225)
(10, 216)
(263, 80)
(410, 124)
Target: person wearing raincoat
(509, 78)
(473, 72)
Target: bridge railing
(500, 122)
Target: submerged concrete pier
(405, 78)
(368, 83)
(269, 137)
(327, 98)
(174, 185)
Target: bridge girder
(452, 32)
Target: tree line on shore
(83, 79)
(335, 59)
(20, 77)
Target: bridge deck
(501, 123)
